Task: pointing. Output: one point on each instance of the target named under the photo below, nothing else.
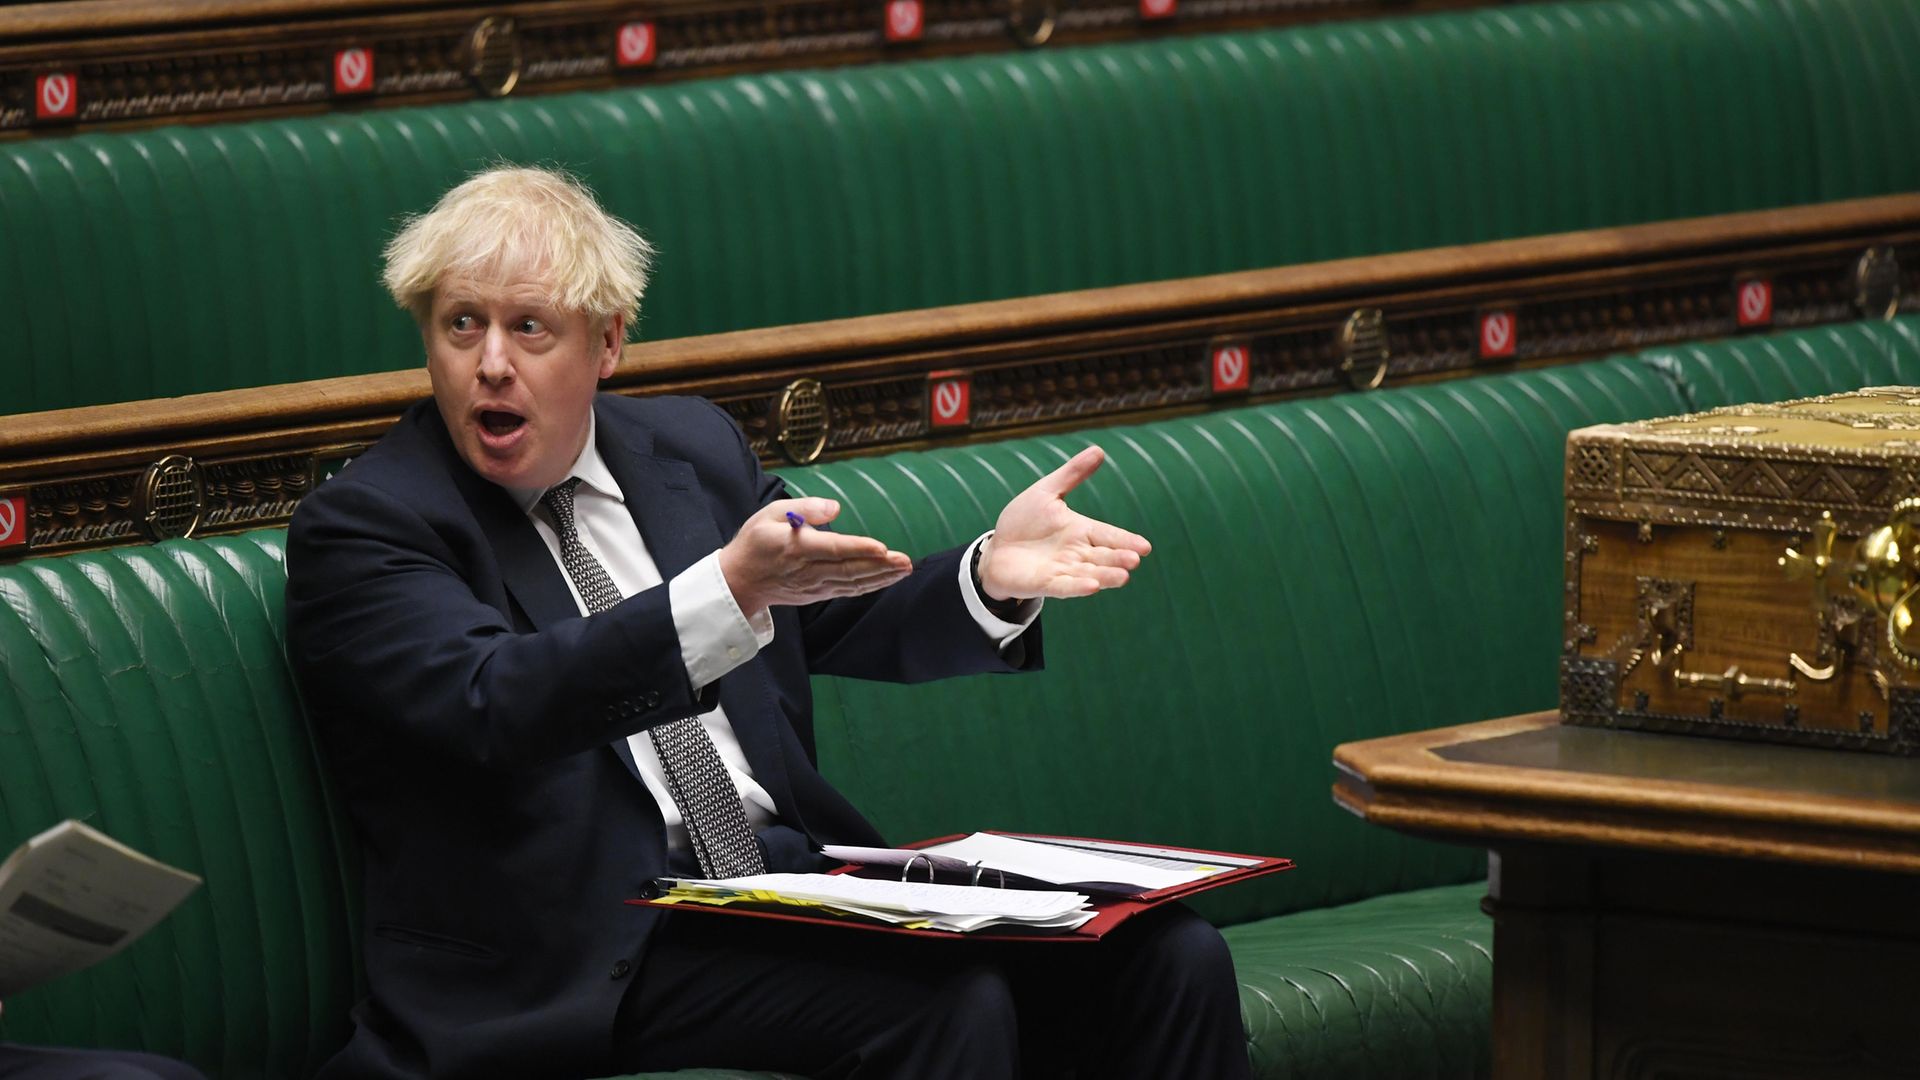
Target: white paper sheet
(1065, 866)
(917, 897)
(71, 897)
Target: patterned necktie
(696, 777)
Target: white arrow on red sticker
(905, 20)
(1232, 368)
(635, 45)
(949, 402)
(13, 520)
(353, 71)
(1755, 302)
(1497, 337)
(54, 96)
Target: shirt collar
(590, 467)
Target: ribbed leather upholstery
(175, 260)
(1397, 986)
(1823, 360)
(144, 691)
(1325, 570)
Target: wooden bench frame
(225, 462)
(146, 62)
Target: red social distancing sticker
(1754, 298)
(949, 401)
(56, 96)
(13, 520)
(1158, 9)
(634, 47)
(905, 20)
(353, 71)
(1232, 368)
(1498, 337)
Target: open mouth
(501, 424)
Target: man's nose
(496, 363)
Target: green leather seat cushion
(1394, 986)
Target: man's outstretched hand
(770, 562)
(1040, 547)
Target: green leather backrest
(1776, 367)
(173, 260)
(1324, 571)
(144, 690)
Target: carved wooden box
(1751, 572)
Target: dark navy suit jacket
(476, 725)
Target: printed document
(71, 897)
(959, 908)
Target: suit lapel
(527, 568)
(676, 520)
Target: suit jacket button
(620, 969)
(652, 699)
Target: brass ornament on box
(1751, 572)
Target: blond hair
(522, 220)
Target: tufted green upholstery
(145, 691)
(176, 260)
(1325, 570)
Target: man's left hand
(1040, 547)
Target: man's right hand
(771, 562)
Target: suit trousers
(51, 1063)
(1155, 998)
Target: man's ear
(613, 338)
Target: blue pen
(795, 520)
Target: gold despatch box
(1752, 572)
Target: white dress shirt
(715, 635)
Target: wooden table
(1675, 907)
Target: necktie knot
(559, 502)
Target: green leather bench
(175, 260)
(1325, 570)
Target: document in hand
(71, 897)
(916, 905)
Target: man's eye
(461, 323)
(529, 326)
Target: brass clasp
(1732, 682)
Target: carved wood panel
(146, 63)
(1076, 359)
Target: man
(557, 643)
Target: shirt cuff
(1000, 630)
(715, 636)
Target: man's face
(515, 377)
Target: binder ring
(979, 869)
(908, 869)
